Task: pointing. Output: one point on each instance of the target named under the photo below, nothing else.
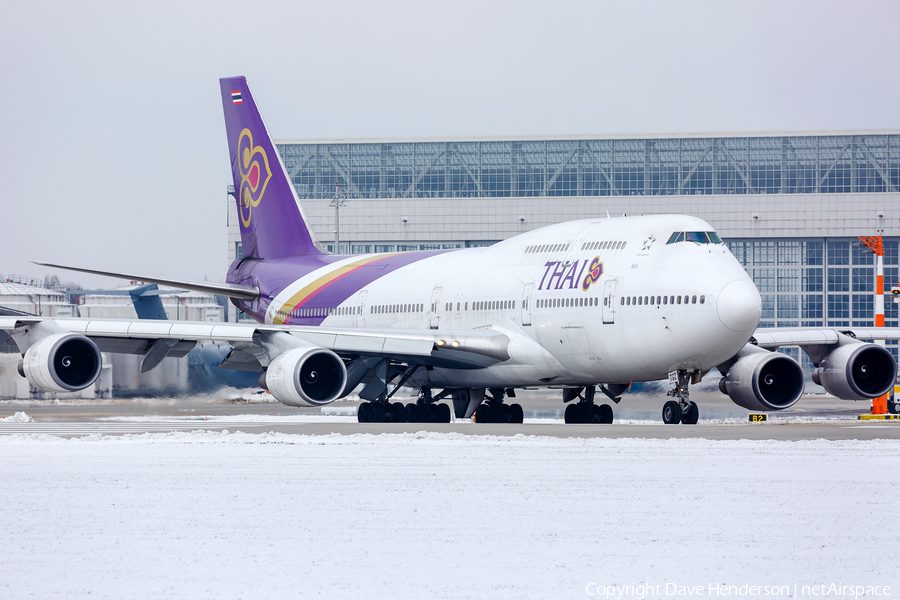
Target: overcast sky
(114, 153)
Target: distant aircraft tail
(271, 219)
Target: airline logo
(593, 274)
(562, 275)
(236, 98)
(255, 175)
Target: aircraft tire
(362, 413)
(378, 410)
(412, 413)
(671, 413)
(571, 414)
(586, 412)
(443, 413)
(505, 414)
(516, 414)
(398, 413)
(692, 416)
(483, 414)
(605, 413)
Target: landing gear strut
(493, 410)
(682, 409)
(585, 411)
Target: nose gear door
(609, 301)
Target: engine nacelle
(857, 371)
(306, 376)
(763, 380)
(62, 362)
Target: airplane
(585, 306)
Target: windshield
(699, 237)
(695, 236)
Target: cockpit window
(695, 236)
(699, 237)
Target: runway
(814, 419)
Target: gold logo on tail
(255, 175)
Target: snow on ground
(19, 417)
(437, 515)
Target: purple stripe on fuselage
(273, 276)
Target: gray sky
(114, 152)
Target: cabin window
(702, 299)
(693, 299)
(679, 299)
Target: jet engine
(62, 362)
(306, 376)
(762, 380)
(857, 371)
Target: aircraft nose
(739, 306)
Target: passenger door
(361, 309)
(609, 301)
(435, 308)
(526, 304)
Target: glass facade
(790, 164)
(819, 283)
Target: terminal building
(790, 205)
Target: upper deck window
(699, 237)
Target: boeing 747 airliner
(584, 306)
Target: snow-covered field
(437, 515)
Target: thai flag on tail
(236, 97)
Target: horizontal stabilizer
(226, 289)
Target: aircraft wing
(777, 337)
(226, 289)
(257, 344)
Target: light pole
(339, 200)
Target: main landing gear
(425, 410)
(682, 410)
(585, 411)
(493, 410)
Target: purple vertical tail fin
(271, 219)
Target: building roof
(9, 288)
(599, 136)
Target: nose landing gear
(682, 410)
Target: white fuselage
(591, 301)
